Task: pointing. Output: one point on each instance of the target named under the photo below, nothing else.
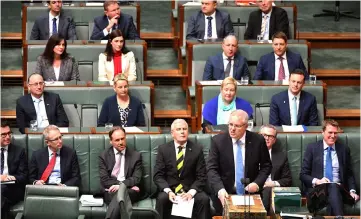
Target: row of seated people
(181, 169)
(46, 108)
(208, 23)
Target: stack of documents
(90, 201)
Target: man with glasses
(56, 164)
(113, 19)
(14, 171)
(56, 21)
(43, 107)
(235, 155)
(281, 174)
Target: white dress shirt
(285, 66)
(6, 168)
(290, 100)
(235, 149)
(55, 176)
(225, 63)
(42, 113)
(57, 72)
(121, 174)
(214, 29)
(266, 32)
(51, 17)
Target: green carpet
(335, 58)
(162, 58)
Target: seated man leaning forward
(217, 110)
(229, 63)
(119, 164)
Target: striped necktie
(263, 26)
(180, 160)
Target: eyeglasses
(3, 135)
(56, 139)
(271, 137)
(235, 126)
(37, 84)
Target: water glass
(33, 125)
(244, 80)
(250, 125)
(108, 126)
(313, 79)
(259, 38)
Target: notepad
(54, 83)
(293, 128)
(94, 4)
(183, 208)
(63, 130)
(132, 129)
(90, 201)
(242, 200)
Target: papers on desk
(285, 82)
(54, 83)
(210, 82)
(293, 128)
(63, 130)
(242, 200)
(192, 4)
(90, 201)
(94, 4)
(183, 208)
(8, 182)
(103, 41)
(132, 129)
(220, 82)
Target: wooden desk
(257, 211)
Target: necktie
(180, 160)
(2, 160)
(209, 30)
(116, 168)
(49, 168)
(294, 111)
(239, 169)
(263, 26)
(38, 113)
(54, 26)
(328, 172)
(228, 68)
(281, 71)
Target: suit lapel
(319, 157)
(340, 156)
(272, 66)
(202, 23)
(61, 23)
(275, 158)
(63, 161)
(126, 162)
(32, 112)
(188, 155)
(47, 106)
(229, 154)
(289, 62)
(10, 159)
(287, 108)
(248, 153)
(300, 108)
(46, 26)
(272, 23)
(45, 161)
(235, 67)
(111, 159)
(61, 71)
(218, 24)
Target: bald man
(229, 63)
(180, 170)
(235, 155)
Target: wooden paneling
(171, 73)
(11, 73)
(156, 36)
(8, 114)
(11, 36)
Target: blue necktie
(328, 172)
(239, 169)
(54, 26)
(294, 111)
(209, 31)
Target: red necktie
(49, 168)
(281, 72)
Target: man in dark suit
(56, 21)
(180, 173)
(294, 106)
(112, 20)
(14, 167)
(328, 161)
(266, 21)
(209, 23)
(281, 174)
(278, 64)
(119, 164)
(227, 64)
(56, 164)
(39, 105)
(234, 155)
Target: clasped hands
(184, 196)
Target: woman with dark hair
(55, 64)
(116, 59)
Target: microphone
(259, 105)
(76, 109)
(245, 182)
(146, 115)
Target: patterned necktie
(263, 26)
(239, 169)
(228, 68)
(49, 168)
(116, 168)
(328, 172)
(281, 71)
(180, 160)
(2, 160)
(54, 26)
(294, 111)
(209, 30)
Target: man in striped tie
(180, 170)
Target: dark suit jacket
(66, 27)
(125, 24)
(132, 168)
(280, 110)
(266, 65)
(220, 165)
(193, 175)
(312, 165)
(25, 111)
(18, 164)
(110, 112)
(69, 167)
(68, 69)
(214, 68)
(196, 25)
(280, 168)
(278, 22)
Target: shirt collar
(325, 146)
(36, 99)
(116, 151)
(51, 152)
(284, 56)
(177, 145)
(291, 94)
(51, 17)
(212, 15)
(243, 139)
(269, 14)
(6, 147)
(226, 57)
